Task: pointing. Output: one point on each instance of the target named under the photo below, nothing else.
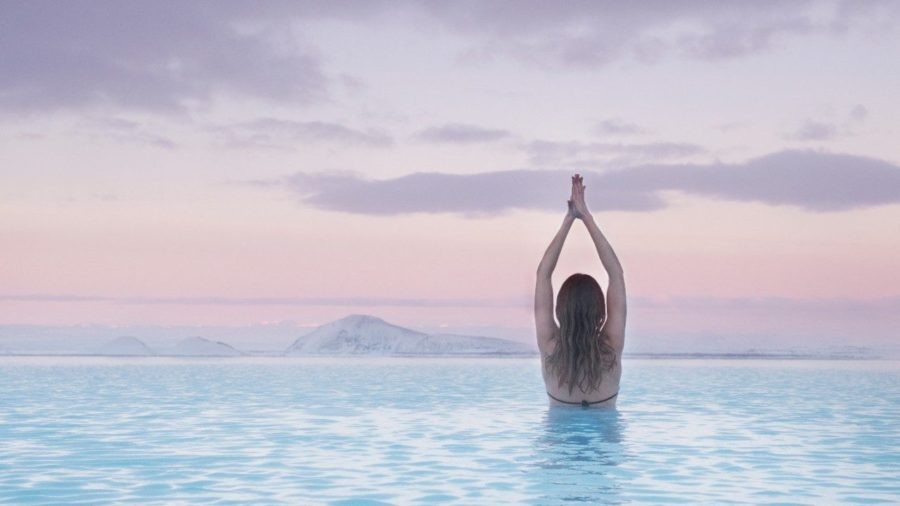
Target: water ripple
(388, 431)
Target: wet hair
(583, 351)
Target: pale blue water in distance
(466, 431)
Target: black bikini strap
(583, 403)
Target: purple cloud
(616, 126)
(859, 112)
(273, 132)
(821, 130)
(156, 56)
(167, 55)
(595, 34)
(543, 152)
(724, 40)
(124, 130)
(814, 131)
(266, 301)
(814, 181)
(459, 133)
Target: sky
(235, 164)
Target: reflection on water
(575, 454)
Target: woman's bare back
(605, 396)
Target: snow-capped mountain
(368, 335)
(125, 346)
(202, 347)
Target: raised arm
(615, 295)
(551, 255)
(545, 324)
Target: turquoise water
(468, 431)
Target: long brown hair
(582, 351)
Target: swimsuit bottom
(582, 403)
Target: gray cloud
(889, 305)
(814, 131)
(732, 125)
(169, 55)
(616, 126)
(124, 130)
(872, 15)
(543, 152)
(881, 306)
(594, 34)
(265, 301)
(730, 39)
(273, 132)
(859, 112)
(459, 133)
(811, 180)
(157, 56)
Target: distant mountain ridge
(125, 346)
(202, 347)
(360, 334)
(365, 335)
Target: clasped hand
(577, 208)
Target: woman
(580, 357)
